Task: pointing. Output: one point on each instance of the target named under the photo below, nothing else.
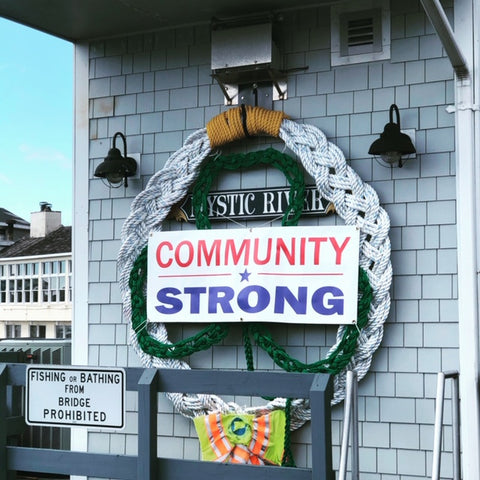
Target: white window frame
(17, 279)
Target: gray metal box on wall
(243, 46)
(245, 57)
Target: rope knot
(240, 122)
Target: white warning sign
(75, 397)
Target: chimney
(45, 221)
(10, 230)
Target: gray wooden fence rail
(147, 382)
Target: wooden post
(147, 425)
(320, 397)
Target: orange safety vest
(242, 438)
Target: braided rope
(355, 202)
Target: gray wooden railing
(38, 351)
(147, 382)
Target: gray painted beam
(125, 468)
(320, 397)
(295, 385)
(174, 469)
(207, 381)
(64, 462)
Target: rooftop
(7, 217)
(58, 241)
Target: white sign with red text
(303, 275)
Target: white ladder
(437, 441)
(350, 422)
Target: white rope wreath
(355, 202)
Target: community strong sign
(297, 275)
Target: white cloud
(47, 155)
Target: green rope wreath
(216, 332)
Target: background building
(36, 281)
(12, 228)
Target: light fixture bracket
(393, 144)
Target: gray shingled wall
(157, 89)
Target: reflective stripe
(220, 444)
(261, 434)
(240, 454)
(211, 438)
(254, 460)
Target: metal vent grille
(360, 32)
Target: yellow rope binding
(230, 126)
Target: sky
(36, 121)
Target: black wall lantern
(392, 144)
(115, 168)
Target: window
(37, 331)
(3, 291)
(360, 32)
(34, 282)
(63, 331)
(13, 331)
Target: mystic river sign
(256, 203)
(303, 275)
